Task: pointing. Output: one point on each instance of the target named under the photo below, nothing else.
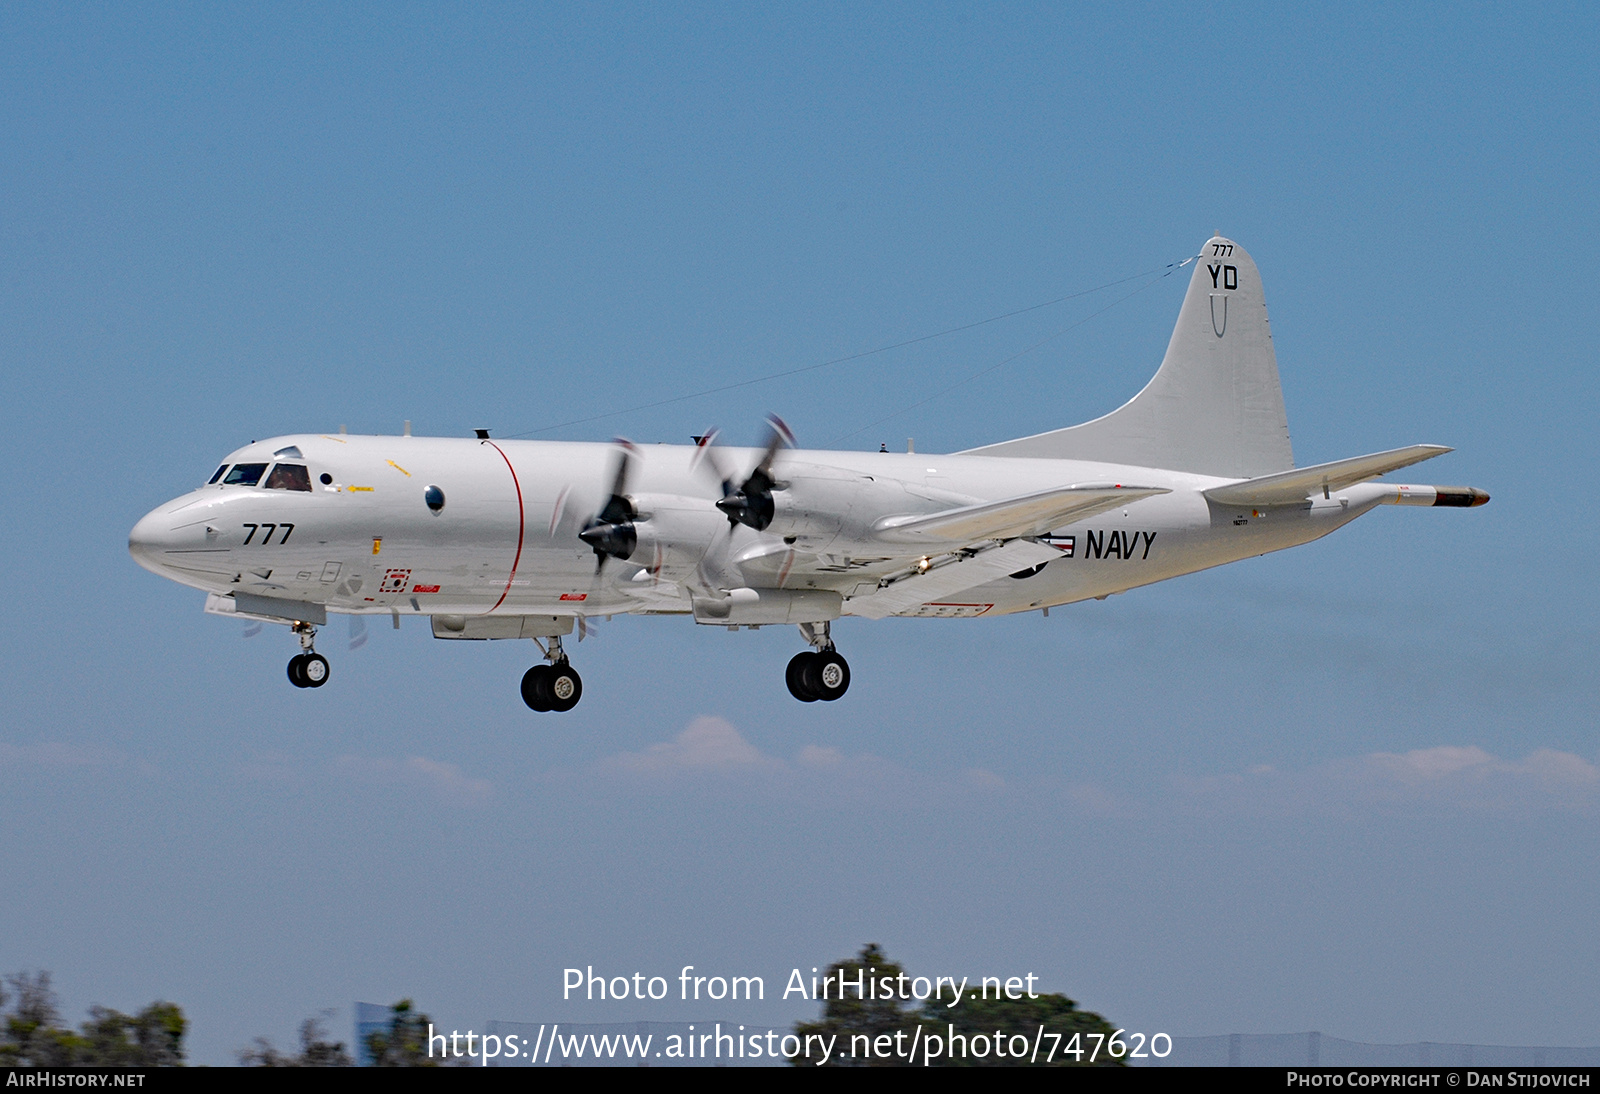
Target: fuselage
(447, 526)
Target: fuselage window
(289, 476)
(245, 474)
(218, 475)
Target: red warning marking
(574, 596)
(424, 588)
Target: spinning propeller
(749, 503)
(611, 532)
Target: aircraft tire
(297, 670)
(313, 670)
(827, 676)
(795, 676)
(534, 690)
(564, 686)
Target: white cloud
(708, 744)
(711, 747)
(445, 781)
(1456, 777)
(817, 756)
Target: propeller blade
(358, 632)
(779, 436)
(617, 507)
(705, 455)
(752, 504)
(610, 532)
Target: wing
(1290, 487)
(989, 540)
(1026, 515)
(915, 586)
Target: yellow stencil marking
(398, 468)
(377, 544)
(367, 489)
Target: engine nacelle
(674, 531)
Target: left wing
(974, 544)
(950, 574)
(1027, 515)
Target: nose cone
(148, 538)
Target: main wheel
(827, 677)
(795, 676)
(564, 687)
(313, 669)
(535, 688)
(297, 668)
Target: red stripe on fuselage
(515, 562)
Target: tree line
(848, 1014)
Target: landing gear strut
(556, 686)
(818, 673)
(308, 669)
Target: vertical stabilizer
(1213, 408)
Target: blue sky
(1351, 787)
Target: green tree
(881, 1008)
(34, 1036)
(315, 1050)
(846, 1011)
(405, 1042)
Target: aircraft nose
(149, 537)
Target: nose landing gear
(308, 669)
(556, 686)
(818, 673)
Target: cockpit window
(218, 475)
(289, 476)
(245, 474)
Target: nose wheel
(818, 674)
(308, 669)
(556, 686)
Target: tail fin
(1213, 408)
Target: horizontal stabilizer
(1291, 487)
(1027, 515)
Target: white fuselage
(505, 540)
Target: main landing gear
(556, 686)
(308, 669)
(818, 673)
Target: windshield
(289, 476)
(218, 475)
(245, 474)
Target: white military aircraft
(526, 539)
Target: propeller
(749, 503)
(610, 532)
